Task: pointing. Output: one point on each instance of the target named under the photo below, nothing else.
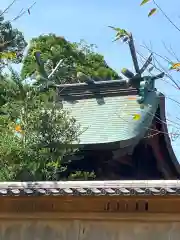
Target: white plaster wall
(88, 230)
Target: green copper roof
(112, 118)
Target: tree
(74, 57)
(156, 65)
(35, 134)
(12, 43)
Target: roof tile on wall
(91, 188)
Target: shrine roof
(91, 188)
(108, 111)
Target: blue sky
(89, 20)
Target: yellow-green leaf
(137, 117)
(175, 66)
(115, 28)
(152, 12)
(120, 34)
(144, 2)
(120, 31)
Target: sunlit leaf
(175, 66)
(136, 117)
(120, 31)
(153, 11)
(18, 128)
(144, 2)
(115, 28)
(120, 34)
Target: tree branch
(54, 70)
(166, 16)
(8, 7)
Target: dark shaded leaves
(152, 12)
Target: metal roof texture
(112, 116)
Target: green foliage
(93, 64)
(79, 175)
(120, 34)
(13, 93)
(75, 57)
(9, 149)
(144, 2)
(37, 146)
(152, 11)
(11, 41)
(45, 138)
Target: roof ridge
(106, 183)
(96, 87)
(138, 187)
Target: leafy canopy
(74, 57)
(42, 137)
(11, 41)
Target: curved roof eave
(166, 135)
